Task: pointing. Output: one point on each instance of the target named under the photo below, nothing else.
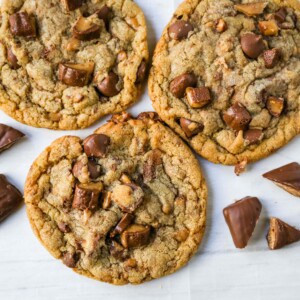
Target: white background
(218, 270)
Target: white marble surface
(218, 271)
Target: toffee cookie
(66, 63)
(120, 206)
(225, 77)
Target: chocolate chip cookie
(120, 206)
(66, 63)
(225, 77)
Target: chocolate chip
(104, 14)
(75, 74)
(190, 128)
(281, 234)
(117, 251)
(286, 177)
(10, 198)
(85, 30)
(253, 136)
(8, 136)
(12, 59)
(108, 86)
(180, 83)
(280, 15)
(141, 72)
(64, 227)
(180, 30)
(198, 97)
(96, 145)
(275, 106)
(122, 225)
(22, 24)
(70, 260)
(135, 236)
(153, 159)
(241, 218)
(252, 45)
(251, 9)
(71, 5)
(237, 117)
(271, 57)
(93, 169)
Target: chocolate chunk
(237, 117)
(180, 30)
(87, 196)
(253, 136)
(96, 145)
(108, 86)
(190, 128)
(12, 59)
(141, 72)
(122, 225)
(10, 198)
(64, 227)
(180, 83)
(220, 25)
(268, 28)
(252, 45)
(280, 15)
(240, 167)
(198, 97)
(281, 234)
(271, 57)
(251, 9)
(117, 251)
(135, 236)
(70, 260)
(93, 169)
(275, 106)
(86, 30)
(241, 218)
(71, 5)
(153, 160)
(22, 24)
(75, 74)
(149, 115)
(286, 177)
(104, 14)
(8, 136)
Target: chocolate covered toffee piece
(286, 177)
(241, 218)
(119, 206)
(8, 136)
(66, 63)
(281, 234)
(10, 198)
(225, 76)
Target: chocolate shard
(10, 198)
(8, 136)
(281, 234)
(241, 218)
(135, 236)
(286, 177)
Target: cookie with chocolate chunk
(119, 206)
(225, 77)
(66, 63)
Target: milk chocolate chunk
(12, 59)
(251, 9)
(253, 136)
(86, 30)
(22, 24)
(241, 218)
(190, 128)
(71, 5)
(153, 160)
(108, 86)
(93, 169)
(96, 145)
(8, 136)
(135, 236)
(149, 115)
(271, 57)
(104, 14)
(237, 117)
(275, 106)
(87, 196)
(122, 225)
(180, 83)
(180, 30)
(198, 97)
(280, 15)
(286, 177)
(281, 234)
(252, 45)
(10, 198)
(141, 72)
(75, 74)
(70, 259)
(117, 251)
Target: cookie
(225, 76)
(120, 206)
(66, 63)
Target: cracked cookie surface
(66, 63)
(225, 76)
(120, 206)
